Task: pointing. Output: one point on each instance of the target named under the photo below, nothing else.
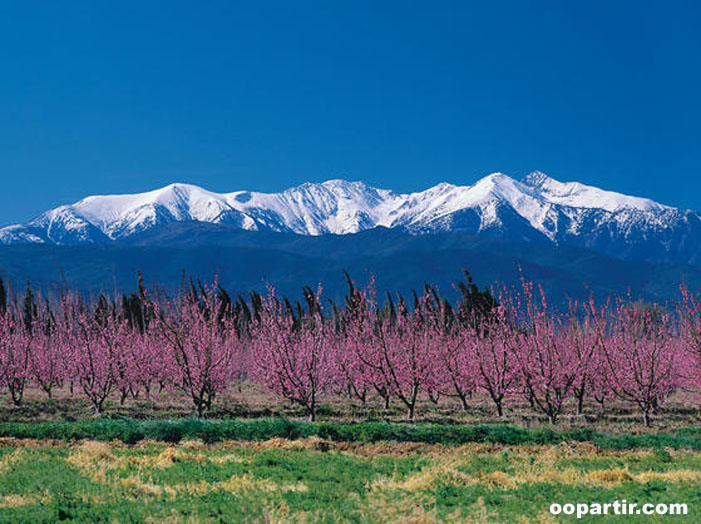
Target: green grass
(131, 431)
(278, 470)
(314, 480)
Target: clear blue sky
(102, 97)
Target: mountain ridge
(537, 209)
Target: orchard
(506, 345)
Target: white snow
(341, 207)
(574, 194)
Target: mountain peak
(537, 179)
(496, 178)
(180, 186)
(340, 182)
(536, 208)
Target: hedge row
(131, 431)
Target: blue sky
(103, 97)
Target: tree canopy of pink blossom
(515, 347)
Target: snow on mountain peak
(536, 207)
(577, 195)
(536, 179)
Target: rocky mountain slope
(535, 209)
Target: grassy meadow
(312, 479)
(254, 459)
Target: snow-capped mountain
(537, 208)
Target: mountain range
(572, 238)
(536, 209)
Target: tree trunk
(580, 401)
(199, 406)
(655, 406)
(500, 408)
(463, 401)
(17, 395)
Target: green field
(254, 460)
(314, 479)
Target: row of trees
(201, 342)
